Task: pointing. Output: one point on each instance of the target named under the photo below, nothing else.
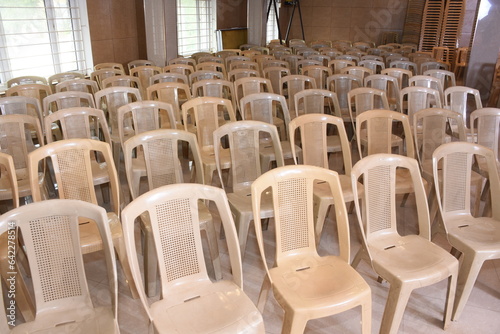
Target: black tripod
(296, 4)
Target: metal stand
(296, 4)
(273, 4)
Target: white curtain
(256, 21)
(161, 30)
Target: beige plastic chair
(269, 108)
(433, 65)
(72, 172)
(241, 73)
(170, 92)
(317, 101)
(316, 146)
(179, 68)
(362, 99)
(203, 115)
(446, 78)
(475, 240)
(354, 59)
(99, 75)
(244, 64)
(413, 99)
(53, 80)
(291, 85)
(388, 84)
(227, 53)
(341, 84)
(123, 81)
(337, 64)
(359, 71)
(37, 91)
(63, 100)
(405, 262)
(429, 82)
(274, 74)
(307, 62)
(198, 55)
(307, 286)
(214, 67)
(259, 59)
(374, 65)
(463, 100)
(115, 66)
(244, 141)
(251, 85)
(80, 85)
(319, 73)
(139, 62)
(216, 88)
(485, 126)
(292, 61)
(274, 63)
(18, 136)
(372, 57)
(63, 301)
(205, 75)
(187, 293)
(12, 105)
(109, 100)
(249, 53)
(144, 73)
(209, 59)
(27, 79)
(235, 58)
(401, 74)
(163, 167)
(324, 59)
(405, 65)
(168, 77)
(183, 61)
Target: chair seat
(326, 284)
(208, 308)
(481, 234)
(411, 259)
(89, 234)
(98, 320)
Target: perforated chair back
(317, 101)
(80, 85)
(70, 99)
(413, 99)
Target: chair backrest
(433, 65)
(413, 99)
(264, 107)
(292, 61)
(241, 73)
(8, 175)
(251, 85)
(161, 155)
(216, 88)
(374, 65)
(341, 84)
(337, 64)
(70, 99)
(427, 81)
(229, 59)
(319, 73)
(206, 113)
(292, 193)
(244, 64)
(37, 91)
(274, 74)
(214, 67)
(112, 98)
(53, 80)
(401, 74)
(169, 92)
(168, 77)
(78, 122)
(359, 71)
(362, 99)
(205, 75)
(80, 85)
(209, 59)
(292, 84)
(386, 83)
(406, 65)
(71, 162)
(485, 126)
(144, 116)
(183, 61)
(123, 81)
(139, 62)
(115, 66)
(458, 99)
(313, 137)
(354, 59)
(21, 105)
(144, 73)
(378, 125)
(244, 138)
(27, 79)
(52, 244)
(455, 161)
(377, 211)
(99, 75)
(447, 78)
(315, 100)
(430, 130)
(179, 68)
(16, 139)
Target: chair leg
(359, 256)
(242, 221)
(405, 198)
(394, 308)
(450, 299)
(467, 276)
(366, 317)
(264, 293)
(293, 323)
(150, 262)
(320, 212)
(119, 245)
(213, 247)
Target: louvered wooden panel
(413, 21)
(431, 24)
(452, 24)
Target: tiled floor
(423, 313)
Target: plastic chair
(115, 66)
(274, 74)
(123, 81)
(413, 99)
(72, 172)
(317, 101)
(216, 88)
(405, 262)
(241, 73)
(463, 100)
(63, 100)
(53, 80)
(362, 99)
(27, 79)
(235, 58)
(317, 146)
(251, 85)
(446, 78)
(168, 77)
(374, 65)
(37, 91)
(306, 285)
(291, 85)
(63, 301)
(244, 141)
(405, 65)
(170, 92)
(388, 84)
(359, 71)
(187, 292)
(208, 59)
(179, 68)
(144, 73)
(341, 84)
(80, 85)
(244, 64)
(337, 64)
(163, 167)
(433, 65)
(214, 67)
(292, 61)
(402, 75)
(205, 75)
(139, 62)
(12, 105)
(99, 75)
(319, 73)
(197, 55)
(182, 61)
(307, 62)
(354, 59)
(474, 239)
(269, 108)
(429, 82)
(205, 115)
(109, 100)
(227, 53)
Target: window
(43, 37)
(195, 26)
(272, 25)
